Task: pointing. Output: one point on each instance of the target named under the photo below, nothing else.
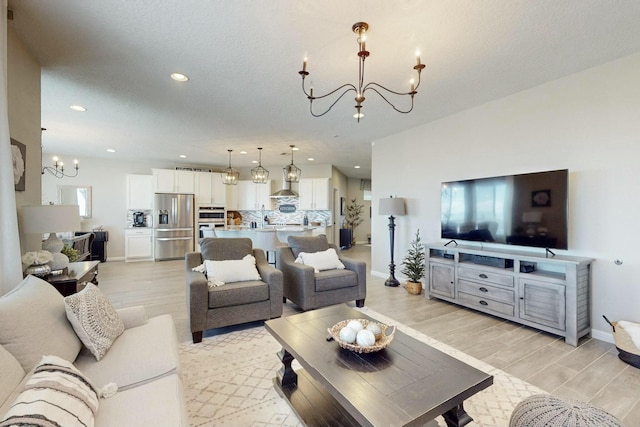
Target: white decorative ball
(365, 338)
(375, 328)
(347, 335)
(355, 325)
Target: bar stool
(267, 240)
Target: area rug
(228, 381)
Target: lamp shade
(393, 206)
(50, 218)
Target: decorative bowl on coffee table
(381, 342)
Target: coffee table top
(407, 383)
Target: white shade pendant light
(259, 175)
(230, 176)
(291, 172)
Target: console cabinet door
(442, 279)
(543, 303)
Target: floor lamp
(392, 207)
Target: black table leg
(457, 417)
(286, 375)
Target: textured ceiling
(242, 56)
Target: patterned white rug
(228, 381)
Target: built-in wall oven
(210, 218)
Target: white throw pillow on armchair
(324, 260)
(236, 270)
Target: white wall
(588, 122)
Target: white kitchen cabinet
(173, 181)
(139, 191)
(203, 187)
(313, 194)
(218, 190)
(252, 196)
(138, 244)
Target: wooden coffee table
(408, 383)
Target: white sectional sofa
(143, 361)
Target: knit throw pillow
(94, 319)
(56, 394)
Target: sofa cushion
(33, 323)
(335, 279)
(94, 319)
(323, 260)
(233, 270)
(56, 394)
(139, 355)
(307, 244)
(11, 374)
(238, 293)
(222, 249)
(160, 403)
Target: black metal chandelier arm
(58, 173)
(389, 102)
(413, 92)
(334, 102)
(349, 85)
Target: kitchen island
(282, 232)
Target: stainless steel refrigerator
(174, 229)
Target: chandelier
(291, 172)
(360, 28)
(229, 175)
(259, 175)
(57, 169)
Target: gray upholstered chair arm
(292, 271)
(272, 277)
(197, 292)
(360, 268)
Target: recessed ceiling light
(78, 108)
(182, 156)
(243, 152)
(311, 159)
(356, 167)
(179, 77)
(254, 161)
(110, 150)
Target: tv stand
(548, 293)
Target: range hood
(285, 192)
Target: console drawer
(487, 291)
(486, 276)
(486, 304)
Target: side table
(77, 273)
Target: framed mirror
(76, 195)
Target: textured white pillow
(94, 319)
(235, 270)
(324, 260)
(57, 393)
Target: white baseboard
(602, 335)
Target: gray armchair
(231, 303)
(309, 290)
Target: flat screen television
(528, 209)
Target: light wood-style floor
(590, 372)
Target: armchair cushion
(221, 272)
(238, 293)
(335, 279)
(323, 260)
(217, 250)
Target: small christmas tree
(413, 263)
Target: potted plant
(413, 265)
(353, 218)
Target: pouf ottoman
(545, 410)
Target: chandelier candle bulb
(304, 64)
